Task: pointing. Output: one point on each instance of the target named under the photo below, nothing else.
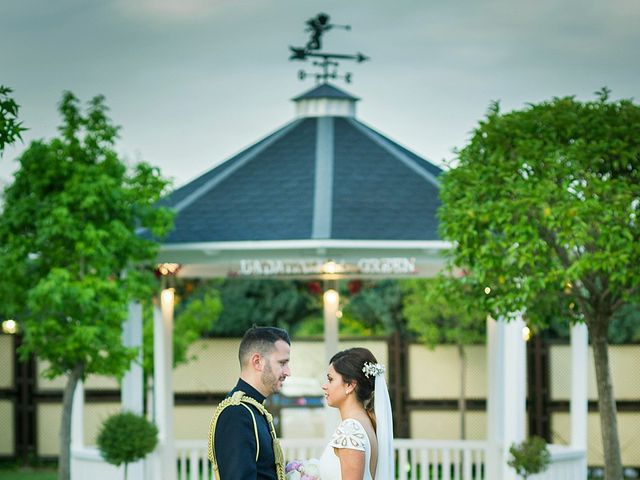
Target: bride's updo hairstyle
(349, 363)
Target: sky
(193, 82)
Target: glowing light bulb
(167, 296)
(10, 326)
(331, 297)
(330, 267)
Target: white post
(579, 392)
(77, 418)
(77, 428)
(132, 388)
(515, 383)
(506, 399)
(495, 379)
(163, 385)
(330, 307)
(132, 383)
(331, 301)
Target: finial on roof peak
(325, 100)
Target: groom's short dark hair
(261, 340)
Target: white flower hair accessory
(372, 369)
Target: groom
(242, 438)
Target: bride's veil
(384, 430)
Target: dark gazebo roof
(325, 175)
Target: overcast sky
(192, 82)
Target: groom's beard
(269, 380)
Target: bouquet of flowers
(302, 470)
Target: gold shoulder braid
(239, 398)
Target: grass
(28, 474)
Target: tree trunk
(462, 400)
(64, 466)
(606, 400)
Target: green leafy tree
(625, 325)
(247, 302)
(623, 328)
(545, 200)
(10, 127)
(348, 326)
(529, 457)
(126, 438)
(378, 306)
(443, 310)
(69, 251)
(368, 308)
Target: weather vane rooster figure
(317, 26)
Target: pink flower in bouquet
(302, 470)
(293, 465)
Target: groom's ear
(257, 361)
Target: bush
(529, 457)
(126, 437)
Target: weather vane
(317, 26)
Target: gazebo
(326, 196)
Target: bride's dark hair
(348, 363)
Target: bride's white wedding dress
(349, 434)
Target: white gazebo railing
(415, 459)
(86, 462)
(567, 463)
(440, 459)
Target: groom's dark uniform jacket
(235, 441)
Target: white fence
(566, 464)
(439, 459)
(415, 459)
(86, 462)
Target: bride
(361, 448)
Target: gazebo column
(77, 418)
(165, 458)
(331, 302)
(132, 383)
(579, 392)
(132, 387)
(506, 399)
(77, 427)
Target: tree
(262, 302)
(367, 308)
(69, 252)
(529, 457)
(442, 310)
(125, 438)
(348, 326)
(378, 306)
(623, 328)
(545, 200)
(10, 127)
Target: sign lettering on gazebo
(364, 266)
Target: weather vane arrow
(317, 26)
